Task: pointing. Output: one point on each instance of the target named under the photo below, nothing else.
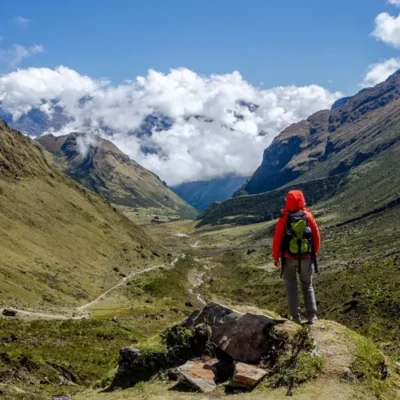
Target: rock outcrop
(218, 345)
(244, 337)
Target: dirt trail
(196, 283)
(121, 283)
(81, 312)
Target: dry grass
(59, 242)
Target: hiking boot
(296, 320)
(312, 319)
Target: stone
(246, 338)
(212, 314)
(129, 359)
(198, 375)
(243, 337)
(9, 313)
(61, 397)
(247, 376)
(10, 339)
(348, 373)
(115, 319)
(132, 362)
(189, 304)
(251, 251)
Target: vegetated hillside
(357, 141)
(60, 243)
(266, 206)
(202, 193)
(100, 166)
(332, 142)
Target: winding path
(81, 312)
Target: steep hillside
(242, 210)
(332, 142)
(61, 244)
(201, 194)
(103, 168)
(357, 142)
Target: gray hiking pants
(290, 270)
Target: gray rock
(213, 314)
(129, 358)
(244, 337)
(61, 397)
(348, 373)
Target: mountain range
(100, 166)
(199, 194)
(357, 141)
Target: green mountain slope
(61, 244)
(103, 168)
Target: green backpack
(298, 237)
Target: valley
(98, 255)
(229, 264)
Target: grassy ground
(61, 245)
(32, 353)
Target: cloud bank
(380, 71)
(394, 2)
(387, 29)
(215, 125)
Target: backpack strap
(314, 259)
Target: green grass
(296, 365)
(369, 364)
(87, 349)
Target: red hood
(295, 201)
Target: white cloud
(10, 58)
(21, 21)
(394, 2)
(387, 29)
(213, 134)
(379, 72)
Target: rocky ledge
(218, 345)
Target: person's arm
(315, 233)
(277, 242)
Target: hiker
(295, 248)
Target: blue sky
(176, 58)
(275, 42)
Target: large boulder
(244, 337)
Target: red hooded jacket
(294, 202)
